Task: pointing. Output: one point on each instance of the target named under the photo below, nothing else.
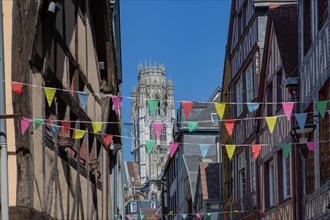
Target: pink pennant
(311, 146)
(128, 216)
(288, 107)
(198, 215)
(25, 123)
(187, 106)
(255, 150)
(173, 147)
(116, 100)
(261, 212)
(229, 126)
(107, 138)
(16, 87)
(158, 127)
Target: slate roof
(285, 21)
(209, 180)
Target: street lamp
(302, 136)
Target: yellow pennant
(97, 126)
(230, 150)
(50, 93)
(78, 134)
(220, 107)
(271, 122)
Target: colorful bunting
(192, 125)
(198, 215)
(184, 216)
(301, 119)
(173, 147)
(322, 106)
(230, 150)
(55, 130)
(107, 138)
(220, 107)
(158, 128)
(285, 150)
(153, 104)
(273, 210)
(78, 134)
(17, 87)
(97, 127)
(116, 100)
(128, 216)
(311, 146)
(255, 150)
(261, 212)
(187, 106)
(37, 123)
(25, 123)
(236, 211)
(288, 107)
(271, 121)
(252, 107)
(141, 216)
(150, 145)
(204, 149)
(229, 124)
(50, 93)
(208, 213)
(83, 97)
(171, 213)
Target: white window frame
(133, 207)
(153, 205)
(271, 184)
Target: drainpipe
(3, 137)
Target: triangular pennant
(187, 106)
(128, 216)
(208, 213)
(285, 150)
(229, 124)
(236, 211)
(17, 87)
(184, 216)
(83, 97)
(37, 123)
(311, 146)
(171, 213)
(322, 106)
(150, 145)
(301, 119)
(97, 127)
(25, 124)
(116, 100)
(192, 125)
(288, 107)
(107, 138)
(230, 150)
(252, 107)
(261, 212)
(220, 107)
(141, 216)
(204, 149)
(78, 134)
(55, 130)
(173, 147)
(153, 104)
(255, 150)
(158, 128)
(271, 122)
(198, 215)
(273, 210)
(50, 93)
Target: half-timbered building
(73, 46)
(277, 192)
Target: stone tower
(151, 85)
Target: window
(324, 137)
(242, 180)
(322, 6)
(133, 207)
(270, 99)
(249, 83)
(252, 172)
(307, 25)
(284, 176)
(279, 89)
(153, 205)
(239, 96)
(271, 184)
(309, 163)
(215, 118)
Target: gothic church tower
(151, 85)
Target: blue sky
(189, 37)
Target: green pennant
(208, 213)
(153, 104)
(37, 123)
(273, 210)
(142, 216)
(150, 145)
(192, 125)
(286, 150)
(322, 106)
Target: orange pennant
(229, 126)
(107, 138)
(187, 108)
(255, 150)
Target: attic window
(214, 118)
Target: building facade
(314, 74)
(151, 85)
(73, 46)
